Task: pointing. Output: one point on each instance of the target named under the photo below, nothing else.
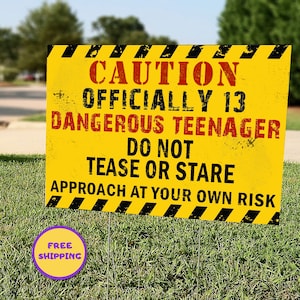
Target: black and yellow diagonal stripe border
(170, 211)
(194, 51)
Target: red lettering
(274, 126)
(120, 122)
(188, 123)
(83, 122)
(259, 128)
(133, 123)
(95, 125)
(137, 72)
(164, 70)
(177, 121)
(208, 73)
(56, 120)
(230, 75)
(182, 72)
(245, 131)
(69, 121)
(199, 125)
(201, 72)
(159, 128)
(107, 122)
(93, 71)
(146, 126)
(230, 127)
(213, 126)
(119, 73)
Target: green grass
(293, 119)
(35, 118)
(150, 257)
(15, 83)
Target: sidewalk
(30, 138)
(292, 146)
(23, 138)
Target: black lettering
(100, 166)
(242, 199)
(91, 188)
(88, 103)
(182, 172)
(111, 190)
(201, 196)
(134, 167)
(164, 193)
(158, 100)
(178, 150)
(259, 199)
(204, 98)
(269, 200)
(54, 186)
(186, 195)
(163, 169)
(122, 165)
(192, 165)
(202, 172)
(216, 170)
(155, 191)
(81, 187)
(113, 98)
(132, 95)
(150, 169)
(101, 98)
(145, 152)
(135, 192)
(132, 146)
(111, 168)
(90, 159)
(228, 173)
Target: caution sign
(179, 131)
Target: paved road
(30, 137)
(17, 102)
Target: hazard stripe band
(76, 203)
(53, 201)
(170, 211)
(99, 204)
(169, 50)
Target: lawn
(293, 118)
(35, 118)
(150, 257)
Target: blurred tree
(112, 30)
(130, 30)
(264, 22)
(160, 40)
(9, 43)
(50, 24)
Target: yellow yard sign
(181, 131)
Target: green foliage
(264, 22)
(293, 118)
(55, 23)
(50, 24)
(149, 257)
(10, 74)
(113, 30)
(9, 43)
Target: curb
(26, 125)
